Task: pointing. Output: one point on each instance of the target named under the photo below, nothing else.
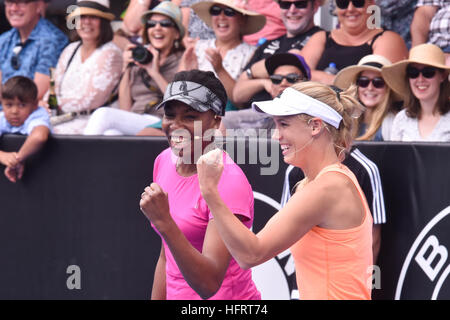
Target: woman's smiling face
(225, 27)
(426, 89)
(183, 126)
(371, 96)
(162, 38)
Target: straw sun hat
(427, 54)
(371, 62)
(254, 23)
(97, 8)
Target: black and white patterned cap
(196, 95)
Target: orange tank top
(336, 264)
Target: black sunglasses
(291, 78)
(216, 10)
(15, 62)
(285, 5)
(364, 82)
(427, 72)
(166, 23)
(343, 4)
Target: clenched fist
(209, 170)
(155, 205)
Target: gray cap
(195, 95)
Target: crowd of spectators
(105, 82)
(110, 82)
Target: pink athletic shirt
(191, 214)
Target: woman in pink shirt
(194, 262)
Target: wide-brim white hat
(254, 23)
(372, 62)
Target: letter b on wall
(427, 263)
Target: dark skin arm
(203, 271)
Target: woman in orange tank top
(327, 222)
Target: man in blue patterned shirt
(32, 46)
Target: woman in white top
(88, 69)
(143, 84)
(423, 82)
(227, 54)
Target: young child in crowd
(22, 115)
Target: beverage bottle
(52, 100)
(331, 69)
(261, 41)
(54, 120)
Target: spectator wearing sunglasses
(194, 26)
(423, 82)
(351, 42)
(88, 68)
(284, 70)
(431, 23)
(32, 46)
(395, 16)
(298, 18)
(226, 54)
(375, 95)
(143, 85)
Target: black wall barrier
(72, 228)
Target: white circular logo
(427, 265)
(275, 278)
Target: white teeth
(176, 139)
(284, 147)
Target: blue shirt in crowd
(38, 117)
(40, 52)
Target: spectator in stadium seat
(327, 223)
(194, 26)
(423, 82)
(431, 23)
(22, 115)
(142, 86)
(381, 102)
(226, 54)
(395, 16)
(274, 27)
(298, 18)
(88, 69)
(351, 42)
(194, 262)
(32, 46)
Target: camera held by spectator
(142, 55)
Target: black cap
(289, 59)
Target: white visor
(292, 102)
